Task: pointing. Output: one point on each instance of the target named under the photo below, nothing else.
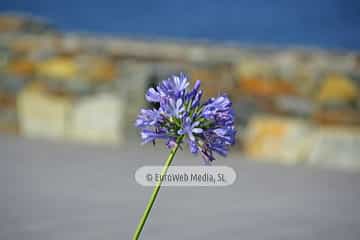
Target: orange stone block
(276, 139)
(265, 87)
(21, 67)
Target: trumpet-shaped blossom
(208, 127)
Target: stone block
(254, 66)
(344, 117)
(335, 147)
(294, 105)
(276, 139)
(98, 119)
(266, 87)
(98, 69)
(8, 115)
(215, 78)
(247, 106)
(58, 68)
(337, 88)
(21, 67)
(41, 113)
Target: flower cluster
(207, 127)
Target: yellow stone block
(337, 88)
(42, 114)
(59, 68)
(276, 139)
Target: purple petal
(197, 130)
(152, 95)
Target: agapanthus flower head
(206, 127)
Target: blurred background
(78, 71)
(73, 75)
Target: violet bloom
(208, 127)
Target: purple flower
(189, 127)
(214, 106)
(179, 83)
(148, 135)
(148, 117)
(208, 127)
(172, 107)
(172, 87)
(152, 95)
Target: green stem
(156, 190)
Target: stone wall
(292, 105)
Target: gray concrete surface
(69, 191)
